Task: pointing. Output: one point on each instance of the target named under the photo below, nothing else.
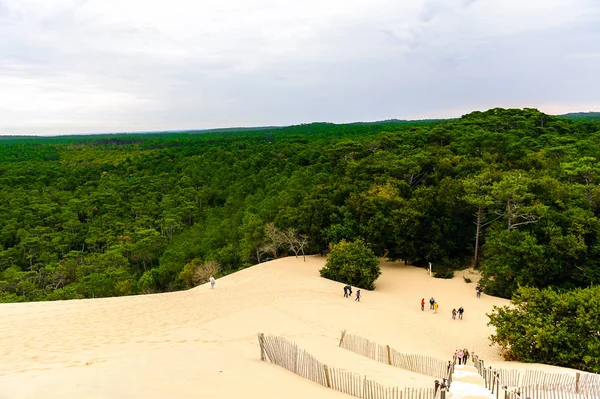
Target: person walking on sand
(459, 355)
(357, 295)
(460, 312)
(212, 282)
(478, 289)
(465, 356)
(435, 307)
(346, 291)
(431, 302)
(423, 304)
(453, 314)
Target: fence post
(497, 387)
(577, 375)
(261, 338)
(389, 355)
(327, 376)
(485, 379)
(342, 339)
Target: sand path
(468, 384)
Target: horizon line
(256, 127)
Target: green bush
(352, 263)
(445, 267)
(545, 326)
(443, 272)
(68, 292)
(146, 284)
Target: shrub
(445, 267)
(443, 272)
(352, 263)
(195, 272)
(146, 283)
(467, 280)
(68, 292)
(546, 326)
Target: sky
(86, 66)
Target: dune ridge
(203, 341)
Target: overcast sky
(76, 66)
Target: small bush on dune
(352, 263)
(443, 273)
(195, 272)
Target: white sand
(202, 342)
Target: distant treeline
(576, 116)
(514, 192)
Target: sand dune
(202, 342)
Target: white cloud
(98, 65)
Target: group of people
(348, 292)
(462, 355)
(460, 312)
(433, 305)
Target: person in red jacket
(423, 304)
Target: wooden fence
(286, 354)
(589, 383)
(548, 392)
(537, 384)
(384, 353)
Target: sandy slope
(202, 342)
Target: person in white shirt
(212, 282)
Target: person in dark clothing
(345, 291)
(465, 356)
(357, 295)
(478, 289)
(431, 302)
(460, 312)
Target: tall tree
(478, 194)
(515, 201)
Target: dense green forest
(514, 192)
